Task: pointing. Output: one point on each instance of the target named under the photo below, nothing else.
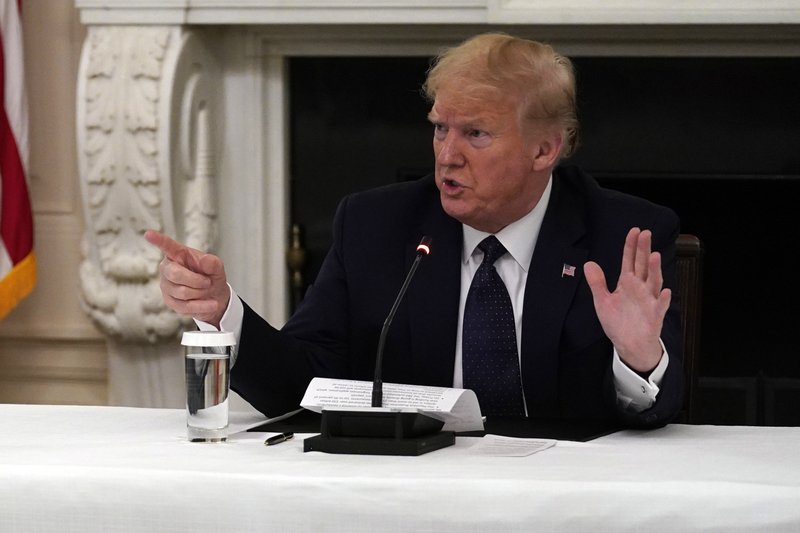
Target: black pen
(277, 439)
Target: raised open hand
(633, 314)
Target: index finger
(174, 250)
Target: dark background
(715, 139)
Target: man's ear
(547, 151)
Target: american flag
(17, 260)
(568, 270)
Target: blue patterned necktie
(489, 339)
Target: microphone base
(379, 432)
(380, 445)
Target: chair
(690, 252)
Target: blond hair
(497, 65)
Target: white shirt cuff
(231, 321)
(634, 393)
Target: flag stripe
(17, 259)
(13, 69)
(17, 284)
(16, 219)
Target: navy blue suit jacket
(565, 355)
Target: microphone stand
(381, 431)
(423, 249)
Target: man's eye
(479, 138)
(439, 130)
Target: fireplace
(202, 89)
(710, 137)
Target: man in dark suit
(585, 273)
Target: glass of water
(208, 369)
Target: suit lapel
(548, 294)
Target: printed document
(457, 408)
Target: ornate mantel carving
(145, 149)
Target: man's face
(485, 169)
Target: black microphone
(375, 430)
(423, 249)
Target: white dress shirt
(519, 238)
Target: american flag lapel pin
(568, 270)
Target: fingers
(664, 299)
(181, 282)
(183, 255)
(192, 307)
(629, 251)
(639, 261)
(170, 247)
(596, 280)
(192, 282)
(182, 277)
(655, 278)
(642, 260)
(192, 293)
(637, 256)
(192, 262)
(211, 265)
(173, 250)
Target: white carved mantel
(182, 127)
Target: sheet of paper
(500, 446)
(457, 408)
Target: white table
(106, 469)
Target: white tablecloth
(106, 469)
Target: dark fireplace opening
(716, 139)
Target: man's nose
(450, 153)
